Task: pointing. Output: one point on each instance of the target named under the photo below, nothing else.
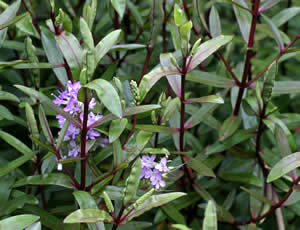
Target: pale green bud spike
(153, 117)
(195, 46)
(135, 92)
(118, 85)
(108, 202)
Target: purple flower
(162, 166)
(146, 173)
(75, 149)
(147, 161)
(156, 179)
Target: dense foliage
(149, 114)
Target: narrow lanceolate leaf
(244, 19)
(5, 96)
(18, 222)
(284, 166)
(16, 143)
(71, 49)
(268, 4)
(13, 21)
(5, 113)
(119, 6)
(116, 128)
(210, 221)
(214, 22)
(285, 15)
(286, 87)
(108, 95)
(132, 182)
(45, 126)
(105, 44)
(275, 31)
(229, 127)
(157, 18)
(47, 101)
(154, 76)
(257, 196)
(7, 168)
(207, 99)
(269, 82)
(8, 14)
(200, 167)
(54, 56)
(156, 128)
(206, 49)
(31, 121)
(87, 216)
(151, 202)
(46, 179)
(86, 34)
(85, 201)
(174, 80)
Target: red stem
(249, 56)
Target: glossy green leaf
(5, 96)
(15, 163)
(268, 4)
(88, 216)
(206, 99)
(229, 127)
(157, 18)
(18, 222)
(54, 56)
(179, 16)
(35, 226)
(257, 196)
(200, 167)
(156, 128)
(284, 166)
(86, 34)
(173, 213)
(46, 179)
(209, 79)
(108, 95)
(132, 182)
(154, 76)
(285, 15)
(5, 113)
(210, 221)
(71, 50)
(13, 21)
(275, 31)
(286, 87)
(125, 47)
(105, 44)
(16, 143)
(116, 128)
(120, 6)
(152, 202)
(32, 124)
(44, 124)
(206, 49)
(8, 14)
(214, 22)
(244, 19)
(185, 34)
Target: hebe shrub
(139, 114)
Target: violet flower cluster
(68, 99)
(153, 170)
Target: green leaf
(32, 124)
(257, 196)
(244, 19)
(214, 22)
(116, 128)
(120, 6)
(206, 49)
(45, 126)
(229, 127)
(15, 163)
(44, 99)
(125, 47)
(275, 31)
(286, 87)
(210, 221)
(54, 55)
(185, 34)
(179, 16)
(135, 13)
(157, 18)
(105, 44)
(156, 128)
(268, 4)
(8, 14)
(35, 226)
(135, 225)
(209, 79)
(108, 95)
(88, 216)
(46, 179)
(71, 50)
(206, 99)
(285, 15)
(5, 96)
(16, 143)
(132, 182)
(13, 21)
(284, 166)
(152, 202)
(19, 222)
(173, 213)
(200, 167)
(86, 34)
(5, 113)
(154, 76)
(86, 201)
